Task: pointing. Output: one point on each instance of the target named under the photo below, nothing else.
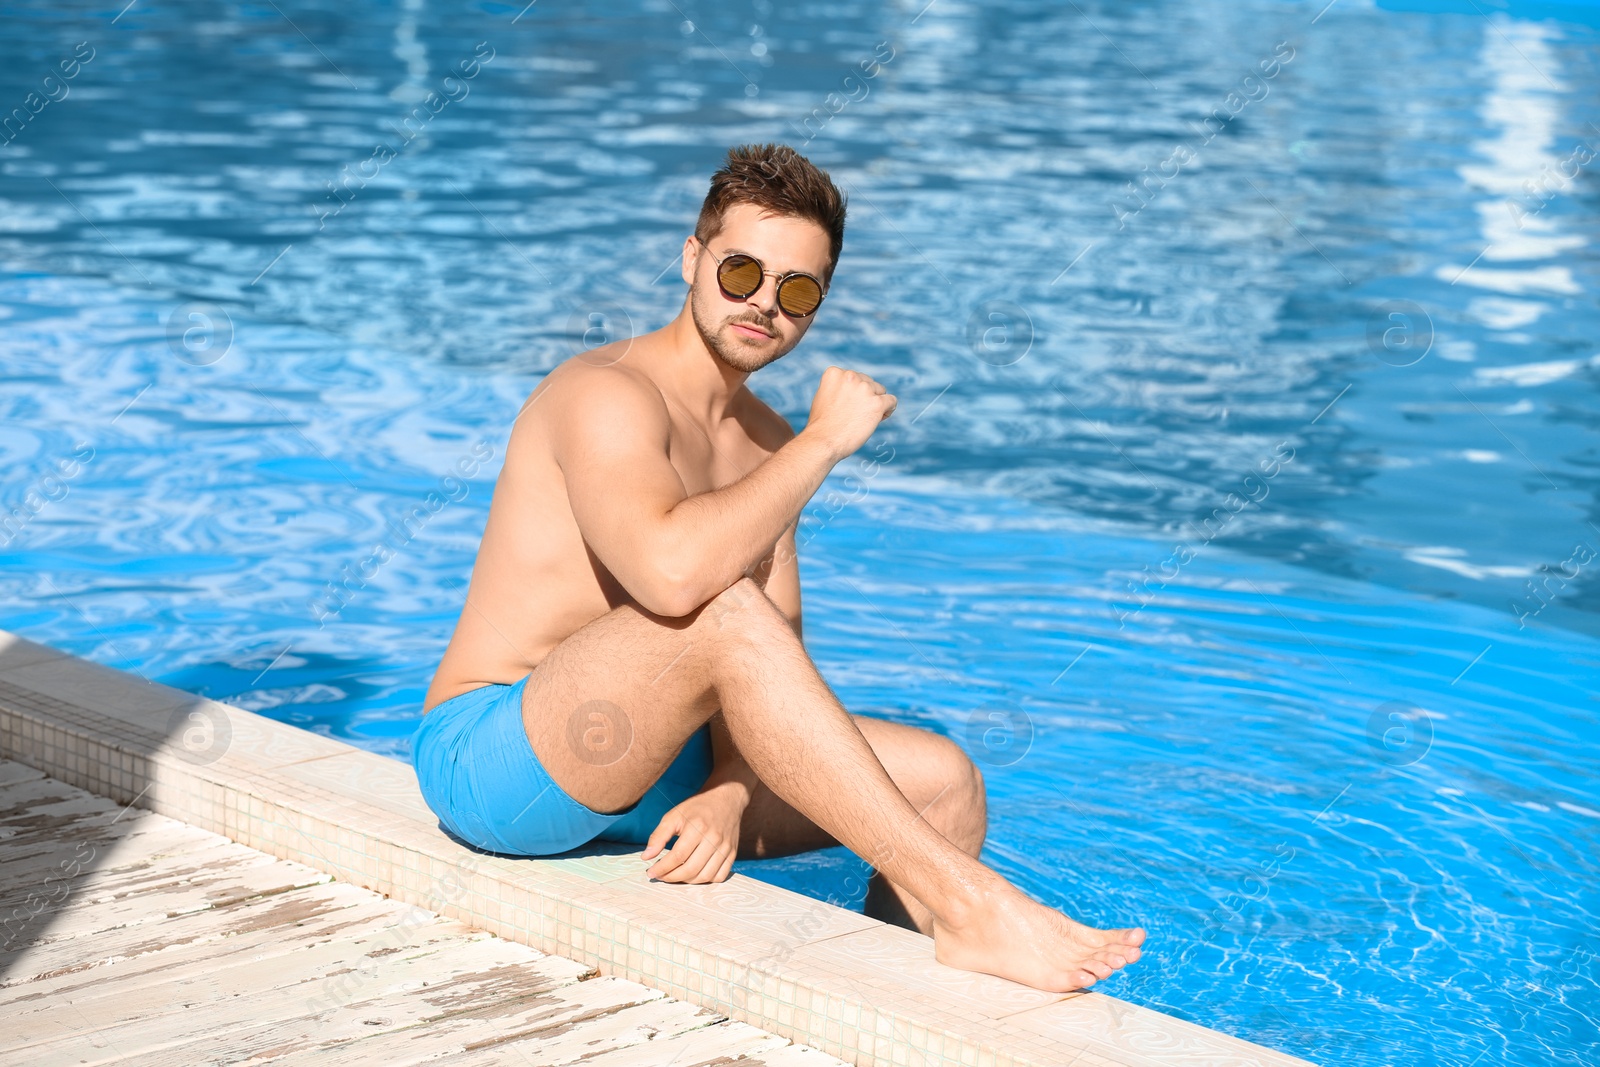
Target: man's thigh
(922, 764)
(613, 704)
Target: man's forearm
(713, 539)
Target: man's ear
(691, 253)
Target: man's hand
(707, 825)
(847, 408)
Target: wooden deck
(130, 937)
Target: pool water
(1242, 514)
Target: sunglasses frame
(765, 273)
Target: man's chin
(744, 353)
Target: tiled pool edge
(868, 993)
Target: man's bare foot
(1017, 938)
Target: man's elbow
(670, 593)
(669, 604)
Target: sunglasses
(739, 276)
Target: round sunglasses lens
(799, 295)
(739, 276)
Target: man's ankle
(969, 898)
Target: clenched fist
(847, 408)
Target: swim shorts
(478, 772)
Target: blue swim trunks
(478, 772)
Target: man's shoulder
(602, 390)
(580, 403)
(768, 429)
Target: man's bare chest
(709, 460)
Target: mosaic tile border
(855, 988)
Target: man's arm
(671, 551)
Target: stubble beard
(727, 348)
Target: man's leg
(932, 772)
(608, 709)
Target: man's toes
(1097, 967)
(1129, 953)
(1124, 942)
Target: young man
(628, 664)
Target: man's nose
(765, 299)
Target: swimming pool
(1238, 522)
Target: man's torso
(535, 581)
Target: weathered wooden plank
(790, 1055)
(44, 805)
(362, 913)
(139, 864)
(330, 981)
(19, 797)
(700, 1047)
(25, 863)
(37, 892)
(147, 895)
(160, 862)
(68, 955)
(283, 1025)
(635, 1030)
(19, 843)
(46, 904)
(632, 1025)
(57, 826)
(40, 809)
(452, 1003)
(474, 1029)
(216, 946)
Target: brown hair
(778, 179)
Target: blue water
(1246, 530)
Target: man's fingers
(695, 859)
(668, 862)
(670, 824)
(718, 866)
(717, 870)
(891, 405)
(685, 864)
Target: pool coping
(861, 990)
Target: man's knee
(961, 787)
(960, 774)
(742, 609)
(930, 768)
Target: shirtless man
(628, 665)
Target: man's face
(750, 333)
